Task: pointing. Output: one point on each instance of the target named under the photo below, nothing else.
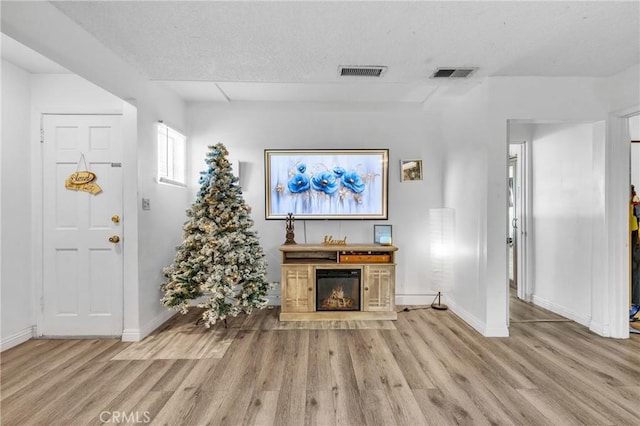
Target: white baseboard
(417, 299)
(561, 310)
(599, 329)
(136, 335)
(479, 325)
(17, 338)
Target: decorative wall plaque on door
(82, 180)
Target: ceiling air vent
(453, 72)
(362, 71)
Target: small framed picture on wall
(382, 234)
(410, 170)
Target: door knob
(115, 218)
(114, 239)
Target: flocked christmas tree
(220, 257)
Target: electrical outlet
(146, 204)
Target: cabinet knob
(366, 289)
(310, 289)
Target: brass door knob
(114, 239)
(115, 218)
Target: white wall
(160, 228)
(465, 190)
(150, 236)
(564, 202)
(476, 176)
(634, 127)
(17, 314)
(247, 129)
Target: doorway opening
(554, 213)
(634, 256)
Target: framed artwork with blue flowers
(326, 183)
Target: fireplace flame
(337, 300)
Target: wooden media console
(338, 282)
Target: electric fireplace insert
(338, 289)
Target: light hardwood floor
(428, 367)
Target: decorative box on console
(359, 257)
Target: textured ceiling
(292, 50)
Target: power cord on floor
(434, 305)
(414, 309)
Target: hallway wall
(564, 201)
(17, 316)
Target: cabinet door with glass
(297, 288)
(379, 288)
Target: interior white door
(82, 259)
(517, 216)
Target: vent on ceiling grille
(453, 72)
(362, 71)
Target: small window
(172, 158)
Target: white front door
(82, 259)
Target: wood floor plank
(345, 390)
(274, 363)
(320, 408)
(319, 367)
(410, 366)
(376, 408)
(362, 361)
(221, 378)
(32, 352)
(179, 407)
(89, 404)
(487, 353)
(549, 407)
(412, 331)
(44, 396)
(262, 410)
(560, 385)
(130, 396)
(240, 396)
(446, 405)
(433, 407)
(49, 363)
(149, 406)
(404, 407)
(499, 404)
(428, 367)
(175, 377)
(293, 394)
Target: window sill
(172, 182)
